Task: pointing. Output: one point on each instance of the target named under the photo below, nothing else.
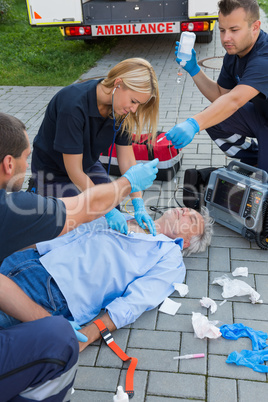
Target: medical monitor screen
(229, 195)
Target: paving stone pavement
(156, 337)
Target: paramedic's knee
(216, 132)
(7, 321)
(60, 346)
(46, 353)
(62, 335)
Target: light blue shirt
(96, 267)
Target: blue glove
(117, 221)
(141, 215)
(238, 330)
(182, 134)
(81, 337)
(142, 175)
(250, 358)
(191, 66)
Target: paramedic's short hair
(199, 243)
(13, 140)
(251, 7)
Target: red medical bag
(169, 157)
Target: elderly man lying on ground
(94, 267)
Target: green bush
(263, 4)
(41, 56)
(4, 9)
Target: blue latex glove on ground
(182, 134)
(142, 175)
(191, 66)
(117, 221)
(238, 330)
(142, 216)
(81, 337)
(250, 358)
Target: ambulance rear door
(203, 9)
(54, 12)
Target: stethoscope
(153, 208)
(160, 210)
(114, 128)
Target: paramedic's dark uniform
(251, 120)
(72, 125)
(38, 361)
(27, 219)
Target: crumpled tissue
(181, 288)
(204, 328)
(169, 307)
(240, 271)
(238, 330)
(209, 303)
(236, 287)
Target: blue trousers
(47, 186)
(38, 361)
(25, 269)
(230, 136)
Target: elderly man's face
(183, 222)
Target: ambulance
(89, 19)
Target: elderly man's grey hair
(201, 242)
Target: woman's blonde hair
(138, 75)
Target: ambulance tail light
(195, 26)
(78, 31)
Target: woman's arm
(126, 159)
(74, 167)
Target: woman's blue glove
(81, 337)
(191, 66)
(117, 221)
(182, 134)
(141, 215)
(142, 175)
